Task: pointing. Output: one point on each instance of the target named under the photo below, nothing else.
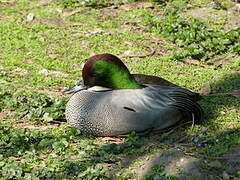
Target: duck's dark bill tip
(75, 89)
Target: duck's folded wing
(156, 107)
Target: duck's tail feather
(186, 101)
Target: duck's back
(118, 112)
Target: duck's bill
(79, 87)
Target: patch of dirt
(58, 22)
(175, 163)
(233, 21)
(55, 91)
(220, 61)
(207, 14)
(183, 166)
(129, 54)
(108, 12)
(133, 27)
(113, 11)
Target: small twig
(71, 13)
(196, 63)
(208, 157)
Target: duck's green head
(107, 70)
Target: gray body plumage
(118, 112)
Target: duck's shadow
(213, 106)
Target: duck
(110, 101)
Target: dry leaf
(42, 156)
(126, 7)
(117, 140)
(145, 5)
(128, 43)
(29, 61)
(191, 61)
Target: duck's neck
(123, 80)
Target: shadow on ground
(212, 104)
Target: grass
(41, 57)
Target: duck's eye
(95, 74)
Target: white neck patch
(99, 88)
